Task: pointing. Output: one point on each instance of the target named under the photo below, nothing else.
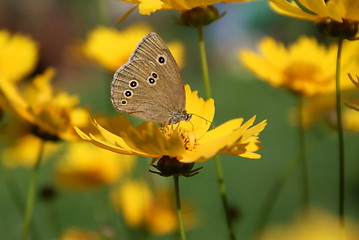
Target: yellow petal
(13, 101)
(290, 9)
(145, 139)
(230, 138)
(305, 67)
(316, 6)
(85, 166)
(177, 50)
(112, 48)
(202, 113)
(213, 141)
(98, 141)
(132, 199)
(18, 55)
(147, 7)
(23, 151)
(77, 234)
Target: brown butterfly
(150, 86)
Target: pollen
(189, 140)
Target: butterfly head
(176, 117)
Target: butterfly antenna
(192, 125)
(207, 121)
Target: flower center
(188, 138)
(304, 77)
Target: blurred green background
(56, 25)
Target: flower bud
(44, 135)
(47, 193)
(200, 16)
(330, 28)
(169, 166)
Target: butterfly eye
(123, 102)
(151, 81)
(154, 75)
(128, 93)
(133, 84)
(161, 59)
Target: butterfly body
(149, 86)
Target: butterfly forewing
(152, 48)
(149, 85)
(134, 85)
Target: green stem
(302, 157)
(205, 74)
(179, 208)
(14, 192)
(340, 136)
(274, 192)
(31, 194)
(223, 192)
(218, 162)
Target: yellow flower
(20, 146)
(112, 48)
(141, 207)
(161, 217)
(146, 7)
(24, 152)
(79, 234)
(354, 103)
(52, 114)
(350, 120)
(324, 106)
(305, 67)
(85, 167)
(18, 55)
(187, 141)
(320, 226)
(338, 10)
(132, 199)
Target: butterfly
(150, 86)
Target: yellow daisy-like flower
(146, 7)
(337, 10)
(18, 55)
(319, 226)
(80, 234)
(52, 114)
(354, 103)
(23, 152)
(187, 141)
(305, 67)
(142, 207)
(324, 107)
(132, 199)
(20, 147)
(86, 167)
(112, 48)
(351, 120)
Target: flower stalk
(274, 192)
(31, 194)
(179, 208)
(340, 136)
(302, 157)
(219, 171)
(203, 56)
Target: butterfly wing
(153, 49)
(149, 85)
